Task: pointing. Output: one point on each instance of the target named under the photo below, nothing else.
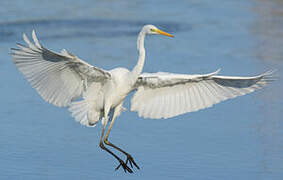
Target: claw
(130, 159)
(125, 167)
(118, 167)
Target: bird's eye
(152, 30)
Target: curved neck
(140, 46)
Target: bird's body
(61, 78)
(119, 88)
(101, 96)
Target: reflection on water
(268, 30)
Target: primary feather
(58, 78)
(165, 95)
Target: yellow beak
(163, 33)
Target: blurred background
(237, 139)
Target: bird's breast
(119, 87)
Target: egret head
(151, 29)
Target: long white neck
(140, 46)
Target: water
(237, 139)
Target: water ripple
(73, 28)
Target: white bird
(60, 78)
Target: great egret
(60, 78)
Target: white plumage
(165, 95)
(60, 78)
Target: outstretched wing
(165, 95)
(58, 78)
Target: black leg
(122, 163)
(130, 159)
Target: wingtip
(25, 36)
(218, 70)
(33, 34)
(34, 37)
(215, 73)
(270, 72)
(270, 75)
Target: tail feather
(84, 114)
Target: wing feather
(165, 95)
(58, 78)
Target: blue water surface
(237, 139)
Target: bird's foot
(125, 167)
(130, 159)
